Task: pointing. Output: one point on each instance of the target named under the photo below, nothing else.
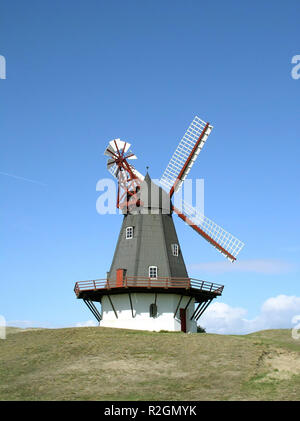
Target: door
(121, 275)
(183, 319)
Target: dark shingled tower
(153, 240)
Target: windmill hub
(147, 286)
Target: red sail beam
(204, 234)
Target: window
(175, 249)
(129, 233)
(153, 272)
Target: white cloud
(267, 266)
(25, 324)
(28, 323)
(87, 323)
(276, 313)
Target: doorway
(183, 319)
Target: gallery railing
(144, 282)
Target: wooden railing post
(94, 285)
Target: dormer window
(175, 249)
(153, 272)
(129, 233)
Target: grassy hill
(94, 363)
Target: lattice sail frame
(224, 239)
(185, 154)
(113, 170)
(173, 177)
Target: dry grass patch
(95, 363)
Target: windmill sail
(222, 240)
(118, 150)
(113, 169)
(185, 155)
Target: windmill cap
(154, 197)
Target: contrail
(23, 178)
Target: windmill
(147, 286)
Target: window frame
(131, 230)
(149, 272)
(175, 249)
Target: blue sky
(80, 73)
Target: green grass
(95, 363)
